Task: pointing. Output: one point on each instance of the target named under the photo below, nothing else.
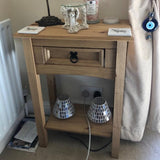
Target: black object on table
(49, 20)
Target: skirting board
(8, 136)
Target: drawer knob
(73, 57)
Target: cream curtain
(142, 83)
(154, 114)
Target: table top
(97, 31)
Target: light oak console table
(98, 55)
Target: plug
(97, 94)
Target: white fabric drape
(139, 81)
(154, 114)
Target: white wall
(4, 9)
(24, 12)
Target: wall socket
(91, 90)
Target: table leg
(36, 93)
(118, 95)
(51, 90)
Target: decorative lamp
(99, 111)
(63, 107)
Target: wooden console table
(98, 56)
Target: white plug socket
(91, 90)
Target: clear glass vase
(92, 11)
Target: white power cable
(86, 94)
(89, 129)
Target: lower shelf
(78, 124)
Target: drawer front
(110, 58)
(69, 56)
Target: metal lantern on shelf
(63, 107)
(99, 111)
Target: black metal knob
(73, 57)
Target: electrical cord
(89, 129)
(85, 94)
(92, 150)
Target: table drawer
(110, 58)
(69, 56)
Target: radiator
(11, 96)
